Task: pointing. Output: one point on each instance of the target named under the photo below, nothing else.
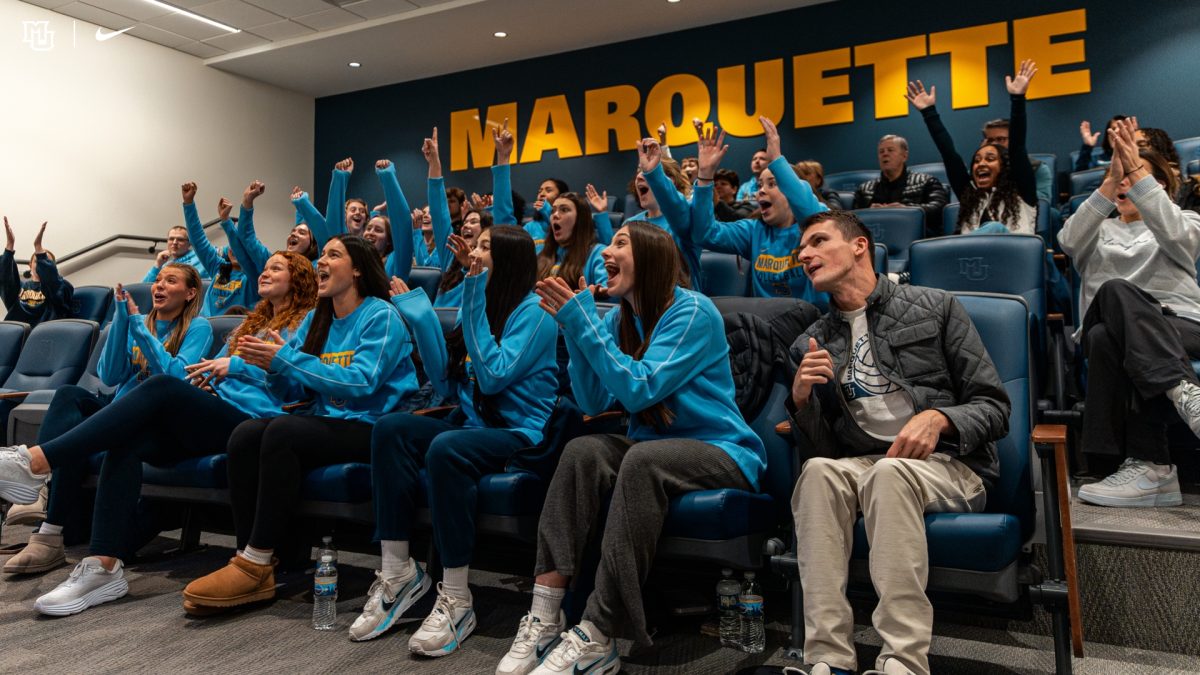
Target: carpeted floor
(147, 632)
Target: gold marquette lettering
(338, 358)
(611, 110)
(732, 100)
(890, 59)
(470, 137)
(550, 112)
(696, 103)
(810, 88)
(1031, 40)
(967, 48)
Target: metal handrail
(154, 242)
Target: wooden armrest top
(784, 428)
(1050, 433)
(606, 415)
(437, 410)
(13, 394)
(1055, 316)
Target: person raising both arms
(299, 240)
(45, 296)
(229, 286)
(341, 215)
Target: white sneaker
(387, 601)
(534, 640)
(1136, 483)
(89, 585)
(1188, 405)
(18, 484)
(578, 655)
(450, 622)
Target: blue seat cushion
(197, 472)
(715, 515)
(513, 493)
(981, 542)
(343, 483)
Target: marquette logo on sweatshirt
(32, 297)
(775, 264)
(230, 286)
(138, 359)
(339, 358)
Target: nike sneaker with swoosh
(441, 633)
(534, 641)
(387, 601)
(577, 654)
(1136, 483)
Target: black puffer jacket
(924, 341)
(759, 332)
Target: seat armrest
(784, 428)
(438, 411)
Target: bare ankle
(553, 579)
(109, 563)
(37, 461)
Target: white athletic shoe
(534, 640)
(387, 601)
(1136, 483)
(450, 622)
(18, 484)
(578, 655)
(89, 585)
(1188, 405)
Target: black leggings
(163, 421)
(267, 462)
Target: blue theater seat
(12, 338)
(1192, 168)
(896, 227)
(723, 274)
(26, 419)
(846, 197)
(55, 353)
(881, 259)
(937, 170)
(222, 326)
(142, 296)
(426, 278)
(848, 181)
(1083, 182)
(93, 303)
(1050, 159)
(1187, 148)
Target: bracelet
(709, 179)
(1139, 167)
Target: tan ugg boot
(43, 553)
(237, 583)
(29, 514)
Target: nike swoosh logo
(101, 36)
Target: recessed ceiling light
(354, 64)
(190, 15)
(672, 1)
(500, 33)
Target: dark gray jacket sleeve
(983, 409)
(810, 429)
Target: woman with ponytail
(349, 360)
(500, 362)
(662, 355)
(163, 420)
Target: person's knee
(386, 433)
(818, 473)
(581, 453)
(1098, 340)
(445, 454)
(245, 440)
(282, 432)
(1117, 290)
(885, 476)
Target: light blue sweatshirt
(364, 369)
(188, 258)
(249, 269)
(686, 367)
(676, 218)
(519, 372)
(247, 387)
(220, 296)
(334, 221)
(131, 353)
(250, 246)
(747, 190)
(774, 250)
(593, 269)
(399, 262)
(439, 218)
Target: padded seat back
(881, 259)
(426, 278)
(896, 227)
(56, 353)
(722, 274)
(142, 296)
(846, 197)
(1188, 149)
(1049, 159)
(1083, 182)
(222, 326)
(93, 303)
(950, 217)
(1002, 324)
(935, 169)
(12, 338)
(1192, 168)
(90, 379)
(848, 181)
(448, 317)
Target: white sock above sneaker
(257, 556)
(397, 565)
(454, 582)
(547, 601)
(593, 633)
(47, 528)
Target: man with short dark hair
(902, 406)
(179, 250)
(897, 186)
(995, 132)
(757, 163)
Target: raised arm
(600, 216)
(439, 208)
(115, 366)
(208, 254)
(335, 208)
(502, 204)
(528, 337)
(402, 246)
(10, 279)
(250, 250)
(673, 205)
(417, 311)
(1018, 154)
(925, 101)
(1080, 234)
(47, 271)
(310, 215)
(735, 238)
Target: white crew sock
(397, 565)
(593, 633)
(454, 582)
(47, 528)
(257, 556)
(547, 601)
(1174, 393)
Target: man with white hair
(897, 186)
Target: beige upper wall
(96, 138)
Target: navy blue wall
(1144, 60)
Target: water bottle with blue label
(325, 594)
(750, 606)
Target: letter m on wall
(471, 137)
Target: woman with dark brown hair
(662, 355)
(571, 251)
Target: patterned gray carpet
(147, 632)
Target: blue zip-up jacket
(502, 203)
(250, 247)
(131, 353)
(538, 229)
(520, 372)
(364, 369)
(593, 269)
(247, 388)
(399, 262)
(439, 218)
(250, 270)
(334, 221)
(686, 367)
(747, 190)
(775, 251)
(220, 296)
(188, 258)
(676, 218)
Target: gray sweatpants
(642, 477)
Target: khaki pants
(893, 495)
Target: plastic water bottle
(750, 605)
(728, 592)
(325, 594)
(327, 549)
